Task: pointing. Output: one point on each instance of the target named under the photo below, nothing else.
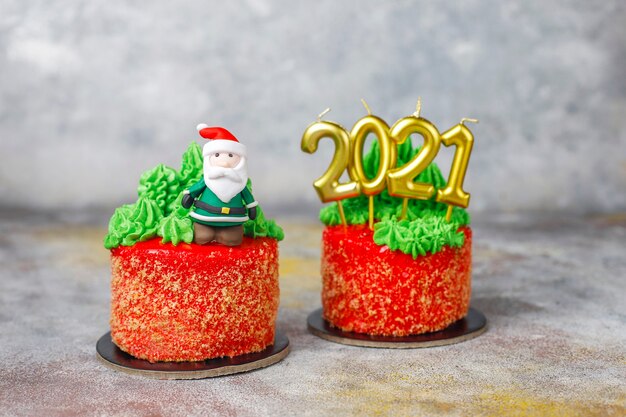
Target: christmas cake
(410, 274)
(194, 261)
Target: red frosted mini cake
(371, 289)
(190, 280)
(191, 302)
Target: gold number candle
(371, 186)
(400, 180)
(453, 193)
(327, 186)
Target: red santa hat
(220, 140)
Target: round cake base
(113, 357)
(472, 325)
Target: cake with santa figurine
(194, 261)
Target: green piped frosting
(191, 167)
(262, 227)
(158, 210)
(133, 223)
(161, 185)
(424, 230)
(176, 228)
(419, 236)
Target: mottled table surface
(552, 288)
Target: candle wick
(319, 116)
(467, 119)
(418, 107)
(366, 106)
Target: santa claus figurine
(222, 202)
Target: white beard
(226, 182)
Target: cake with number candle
(410, 275)
(194, 261)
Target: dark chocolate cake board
(472, 325)
(114, 358)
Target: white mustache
(220, 172)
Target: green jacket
(202, 193)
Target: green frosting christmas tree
(158, 210)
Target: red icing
(370, 289)
(192, 302)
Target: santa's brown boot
(203, 234)
(229, 235)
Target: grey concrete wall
(93, 93)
